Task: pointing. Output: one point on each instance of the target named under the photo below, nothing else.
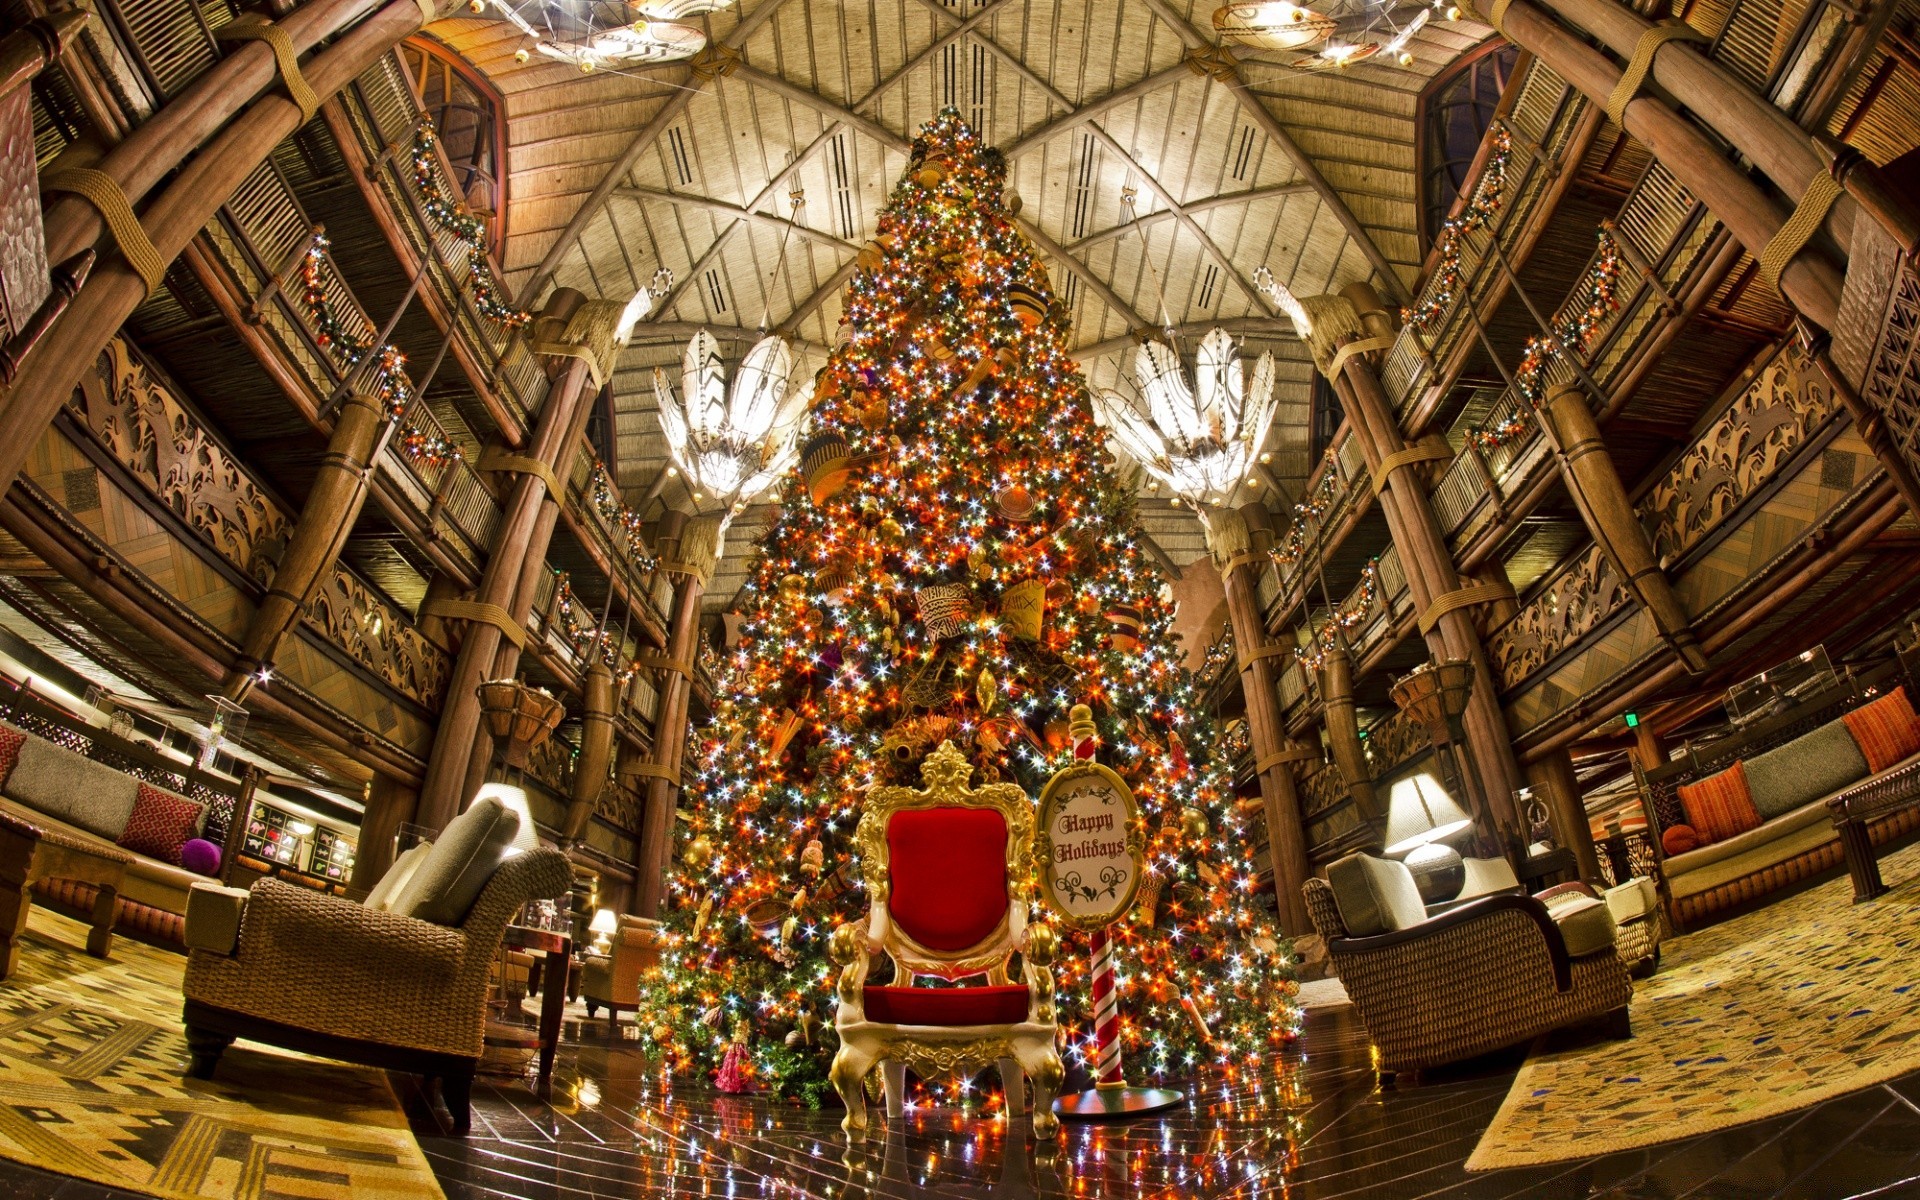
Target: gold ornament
(986, 690)
(662, 1033)
(1193, 823)
(812, 859)
(699, 853)
(700, 919)
(892, 531)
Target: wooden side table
(1850, 811)
(556, 951)
(29, 854)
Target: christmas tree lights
(957, 559)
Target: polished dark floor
(1313, 1127)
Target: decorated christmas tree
(955, 560)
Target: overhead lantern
(601, 34)
(1272, 24)
(731, 444)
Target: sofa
(397, 981)
(1745, 816)
(1489, 973)
(90, 802)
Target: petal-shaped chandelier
(597, 34)
(1200, 441)
(732, 443)
(1337, 34)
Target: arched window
(471, 121)
(1455, 111)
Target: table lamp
(1420, 817)
(604, 923)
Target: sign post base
(1115, 1103)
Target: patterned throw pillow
(10, 742)
(1720, 806)
(1886, 730)
(161, 823)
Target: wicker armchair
(612, 980)
(1493, 972)
(326, 976)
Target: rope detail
(255, 28)
(652, 770)
(485, 614)
(1406, 457)
(1362, 346)
(493, 459)
(101, 190)
(1466, 597)
(663, 663)
(1631, 79)
(1811, 213)
(1270, 650)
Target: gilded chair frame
(1025, 1049)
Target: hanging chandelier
(731, 444)
(1201, 442)
(606, 34)
(1339, 33)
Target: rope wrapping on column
(427, 13)
(1283, 756)
(663, 663)
(1635, 74)
(653, 770)
(1811, 213)
(1406, 457)
(495, 459)
(101, 190)
(1466, 597)
(1270, 650)
(252, 27)
(1362, 346)
(485, 614)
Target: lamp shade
(1419, 811)
(604, 922)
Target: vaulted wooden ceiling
(1236, 162)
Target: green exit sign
(1633, 720)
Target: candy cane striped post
(1106, 1016)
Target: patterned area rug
(1773, 1011)
(92, 1084)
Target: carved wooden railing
(652, 590)
(258, 239)
(1660, 225)
(1393, 740)
(1775, 422)
(134, 417)
(384, 116)
(1542, 121)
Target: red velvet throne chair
(948, 868)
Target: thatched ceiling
(614, 174)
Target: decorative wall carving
(552, 764)
(1394, 739)
(1571, 605)
(1892, 383)
(1323, 790)
(149, 432)
(1738, 453)
(379, 637)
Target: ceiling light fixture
(1346, 32)
(732, 444)
(596, 34)
(1200, 442)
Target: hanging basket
(520, 717)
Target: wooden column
(1494, 775)
(50, 372)
(390, 804)
(1343, 730)
(689, 549)
(1601, 497)
(526, 524)
(1811, 282)
(596, 749)
(1260, 658)
(1780, 148)
(326, 521)
(1553, 780)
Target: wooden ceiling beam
(753, 215)
(1081, 271)
(655, 128)
(1159, 215)
(864, 125)
(1264, 327)
(1262, 116)
(1093, 109)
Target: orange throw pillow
(1679, 840)
(1886, 730)
(1720, 806)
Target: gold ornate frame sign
(1090, 849)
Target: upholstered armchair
(947, 868)
(612, 980)
(1490, 973)
(293, 967)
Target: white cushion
(388, 889)
(1632, 900)
(1375, 895)
(456, 870)
(1485, 876)
(1585, 924)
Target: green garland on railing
(626, 520)
(1599, 299)
(1312, 508)
(471, 231)
(391, 384)
(1345, 620)
(1444, 283)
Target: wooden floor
(1311, 1128)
